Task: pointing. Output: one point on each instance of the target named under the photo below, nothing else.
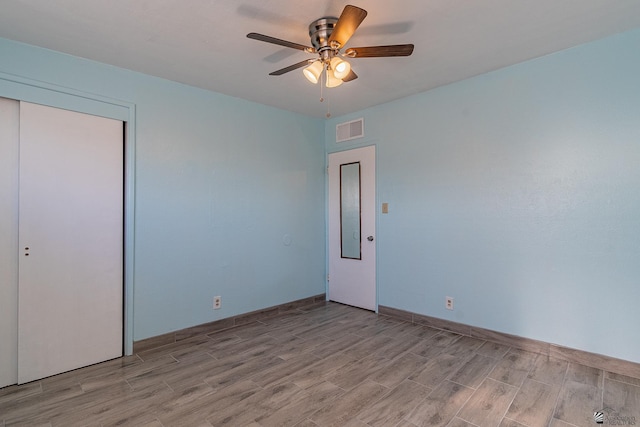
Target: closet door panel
(9, 146)
(70, 241)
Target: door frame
(37, 92)
(327, 213)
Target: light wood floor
(326, 365)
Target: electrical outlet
(448, 303)
(217, 302)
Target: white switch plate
(217, 302)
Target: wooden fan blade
(350, 76)
(291, 67)
(379, 51)
(280, 42)
(347, 24)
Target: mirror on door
(350, 210)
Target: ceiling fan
(328, 36)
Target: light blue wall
(517, 193)
(229, 194)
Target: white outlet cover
(449, 303)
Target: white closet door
(70, 241)
(9, 137)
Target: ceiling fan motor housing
(320, 31)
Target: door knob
(370, 238)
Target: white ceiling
(203, 42)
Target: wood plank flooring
(326, 365)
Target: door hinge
(327, 277)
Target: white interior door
(70, 309)
(352, 223)
(9, 157)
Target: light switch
(385, 208)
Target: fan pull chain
(321, 85)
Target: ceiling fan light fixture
(332, 80)
(313, 71)
(328, 36)
(341, 68)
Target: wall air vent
(350, 130)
